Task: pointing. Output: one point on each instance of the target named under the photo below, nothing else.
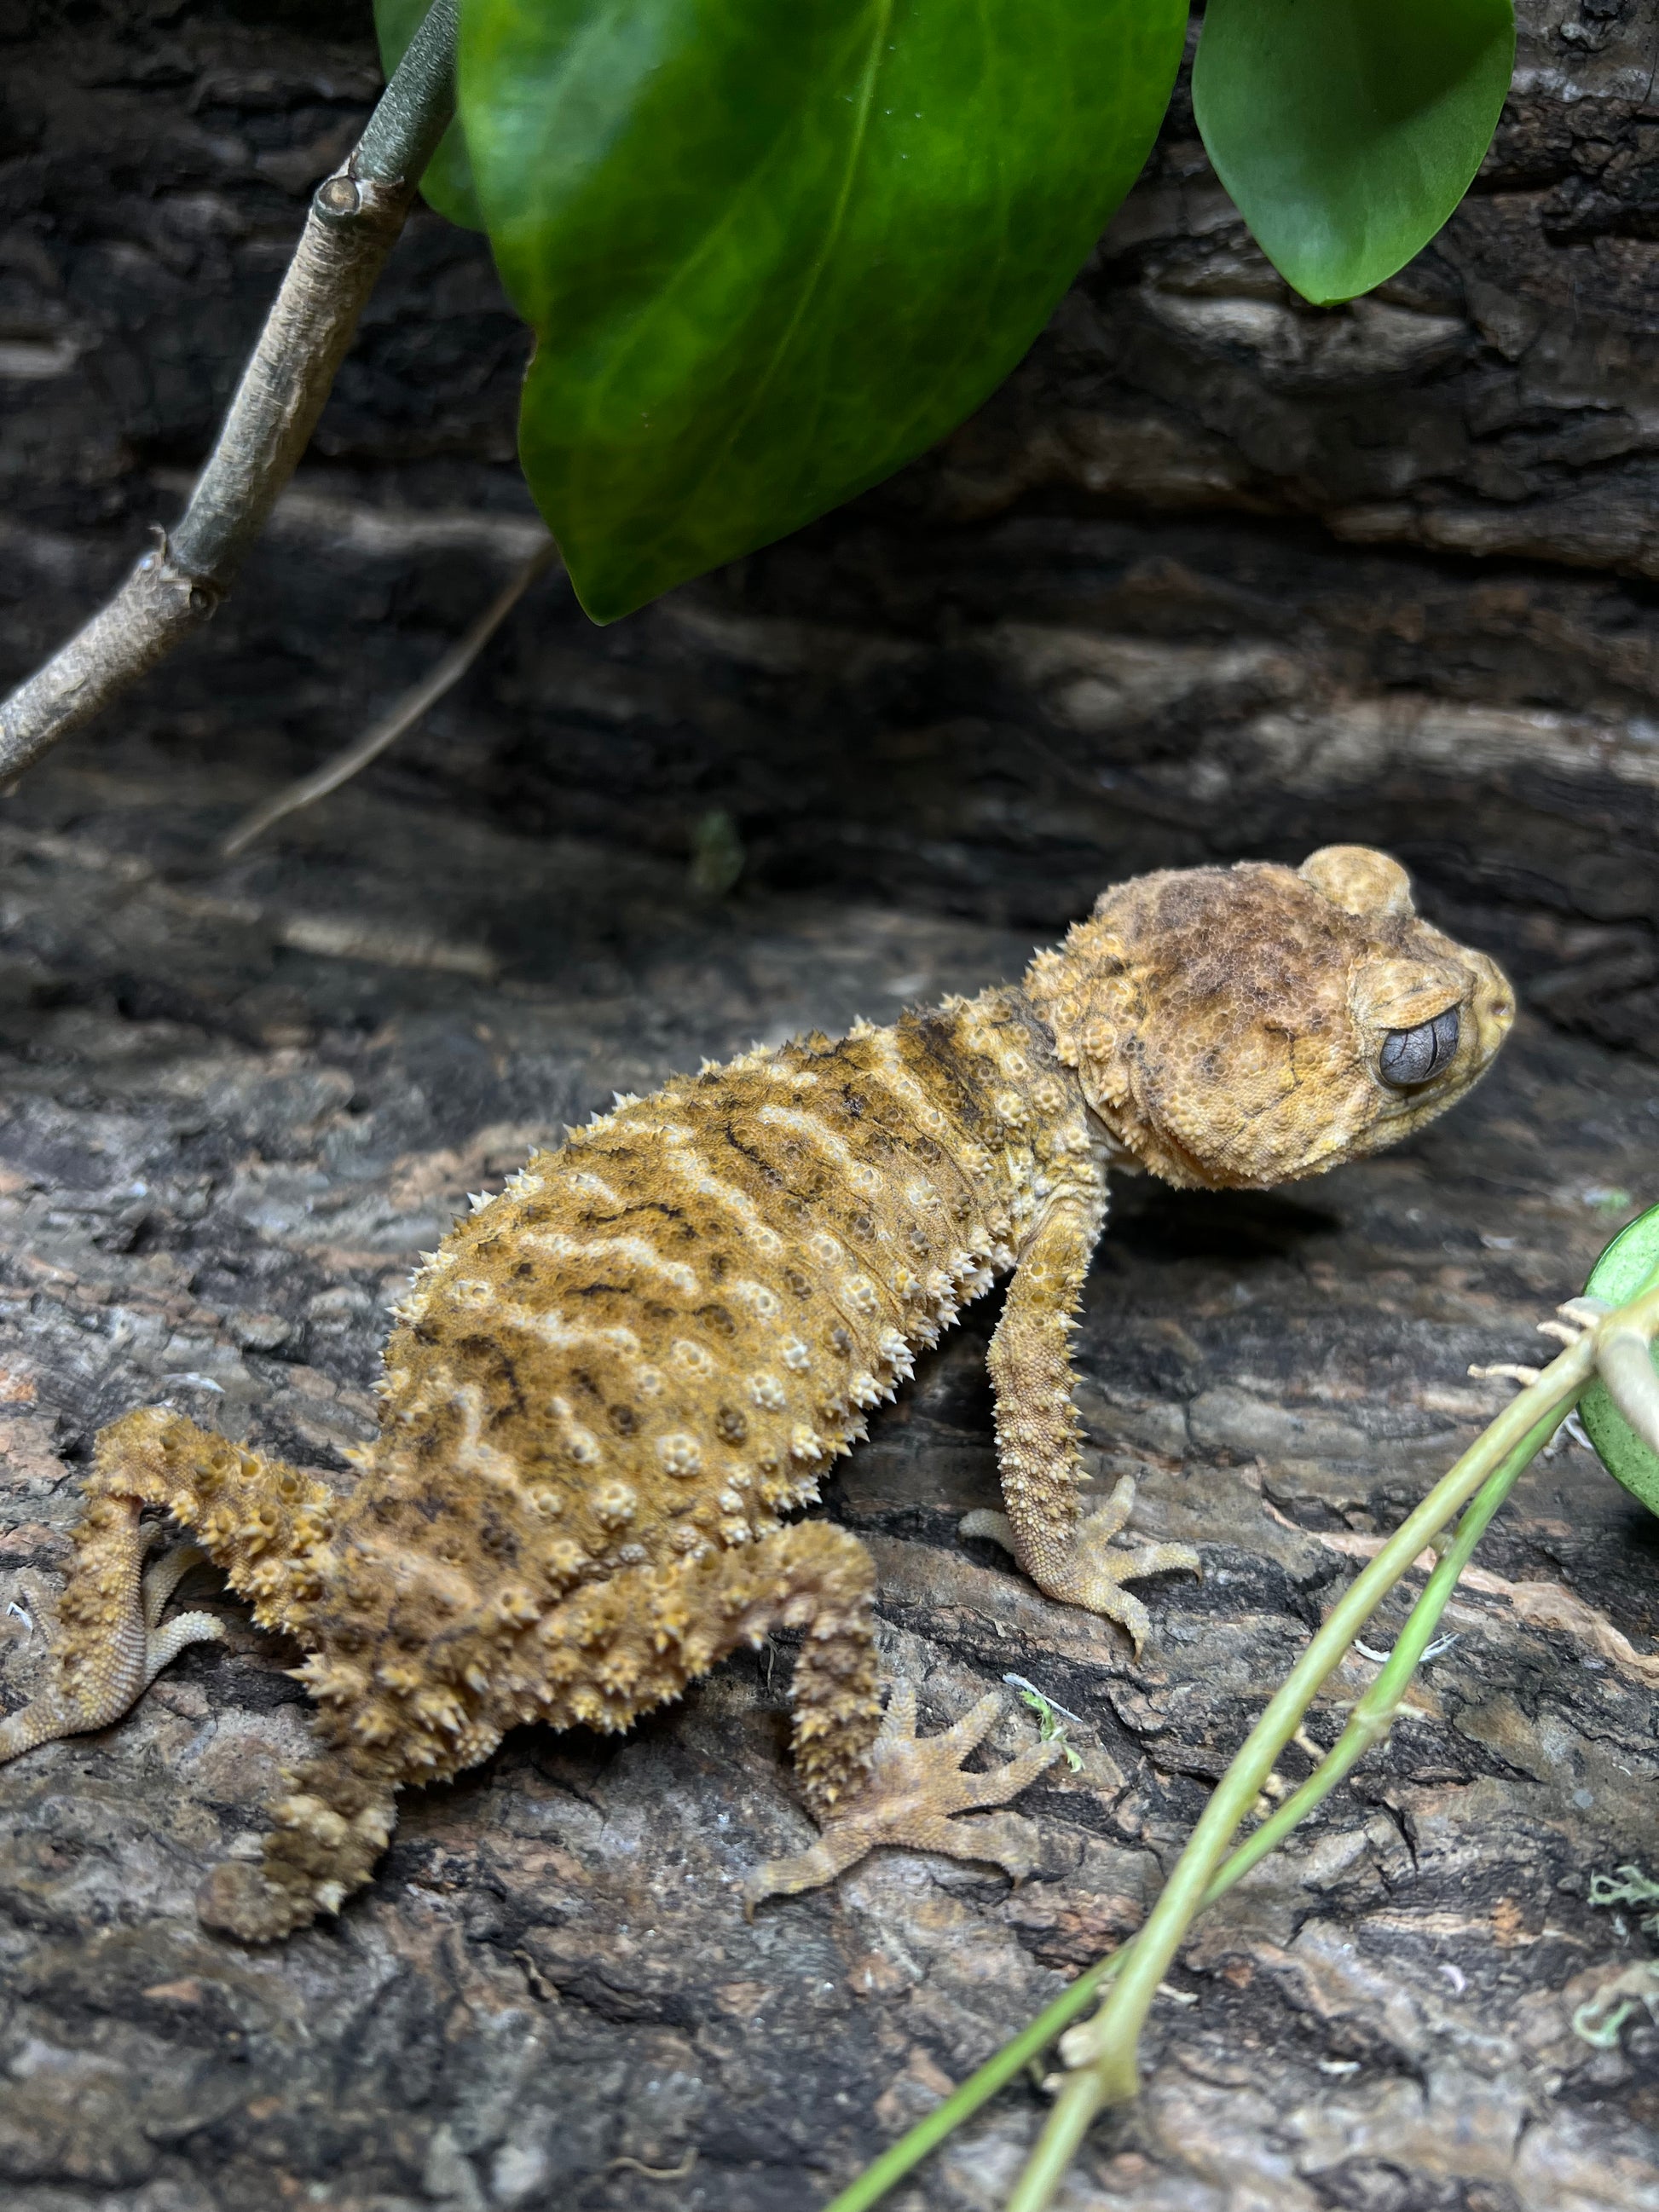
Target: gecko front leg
(1065, 1552)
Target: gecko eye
(1412, 1056)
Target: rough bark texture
(1215, 575)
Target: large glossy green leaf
(772, 251)
(1628, 1266)
(448, 184)
(1347, 130)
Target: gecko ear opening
(1088, 998)
(1359, 879)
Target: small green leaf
(448, 184)
(771, 252)
(717, 854)
(1630, 1885)
(1608, 1198)
(1628, 1266)
(1347, 130)
(1050, 1728)
(1599, 2020)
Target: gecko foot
(913, 1785)
(1091, 1574)
(112, 1641)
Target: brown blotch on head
(1228, 1024)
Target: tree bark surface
(1214, 575)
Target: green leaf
(771, 252)
(1347, 130)
(1628, 1266)
(448, 184)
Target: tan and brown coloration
(613, 1383)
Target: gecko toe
(915, 1784)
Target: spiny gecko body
(613, 1383)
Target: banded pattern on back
(653, 1341)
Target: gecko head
(1238, 1027)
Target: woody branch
(354, 220)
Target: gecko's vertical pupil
(1413, 1056)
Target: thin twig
(408, 711)
(355, 217)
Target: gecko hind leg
(866, 1778)
(913, 1785)
(112, 1641)
(600, 1658)
(257, 1519)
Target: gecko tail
(42, 1721)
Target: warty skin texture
(613, 1383)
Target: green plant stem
(1498, 1457)
(1369, 1721)
(1373, 1716)
(1106, 2066)
(884, 2173)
